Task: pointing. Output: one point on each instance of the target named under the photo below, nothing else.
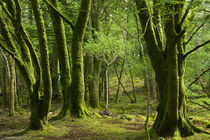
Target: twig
(197, 47)
(200, 105)
(196, 31)
(198, 78)
(123, 27)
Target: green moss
(49, 131)
(208, 125)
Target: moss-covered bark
(95, 22)
(26, 71)
(63, 57)
(46, 101)
(168, 63)
(94, 96)
(78, 105)
(5, 79)
(27, 62)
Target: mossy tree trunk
(95, 22)
(46, 103)
(168, 63)
(63, 57)
(27, 61)
(5, 78)
(54, 73)
(26, 71)
(78, 108)
(94, 96)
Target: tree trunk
(133, 86)
(12, 86)
(94, 83)
(86, 73)
(78, 108)
(5, 80)
(24, 64)
(63, 57)
(152, 84)
(54, 73)
(107, 87)
(46, 101)
(119, 79)
(169, 70)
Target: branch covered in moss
(186, 13)
(60, 14)
(6, 10)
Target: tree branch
(9, 52)
(198, 78)
(6, 11)
(197, 47)
(113, 60)
(60, 14)
(200, 105)
(122, 27)
(185, 14)
(196, 31)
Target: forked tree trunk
(78, 107)
(63, 57)
(45, 103)
(24, 64)
(168, 63)
(171, 110)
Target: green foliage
(105, 46)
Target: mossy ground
(125, 122)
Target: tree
(63, 57)
(167, 55)
(96, 68)
(46, 76)
(27, 60)
(12, 86)
(78, 105)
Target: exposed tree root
(196, 129)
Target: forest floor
(125, 122)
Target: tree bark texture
(46, 76)
(78, 107)
(63, 57)
(168, 63)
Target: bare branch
(122, 27)
(60, 14)
(200, 105)
(197, 47)
(198, 77)
(113, 60)
(196, 31)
